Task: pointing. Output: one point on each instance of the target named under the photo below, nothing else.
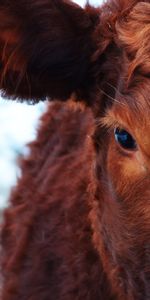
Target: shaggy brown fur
(78, 222)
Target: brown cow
(78, 222)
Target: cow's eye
(125, 139)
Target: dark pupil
(125, 139)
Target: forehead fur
(134, 34)
(123, 49)
(129, 22)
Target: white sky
(94, 2)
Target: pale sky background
(17, 127)
(82, 2)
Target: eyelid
(112, 124)
(109, 121)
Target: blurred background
(18, 124)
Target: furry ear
(45, 48)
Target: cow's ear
(45, 48)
